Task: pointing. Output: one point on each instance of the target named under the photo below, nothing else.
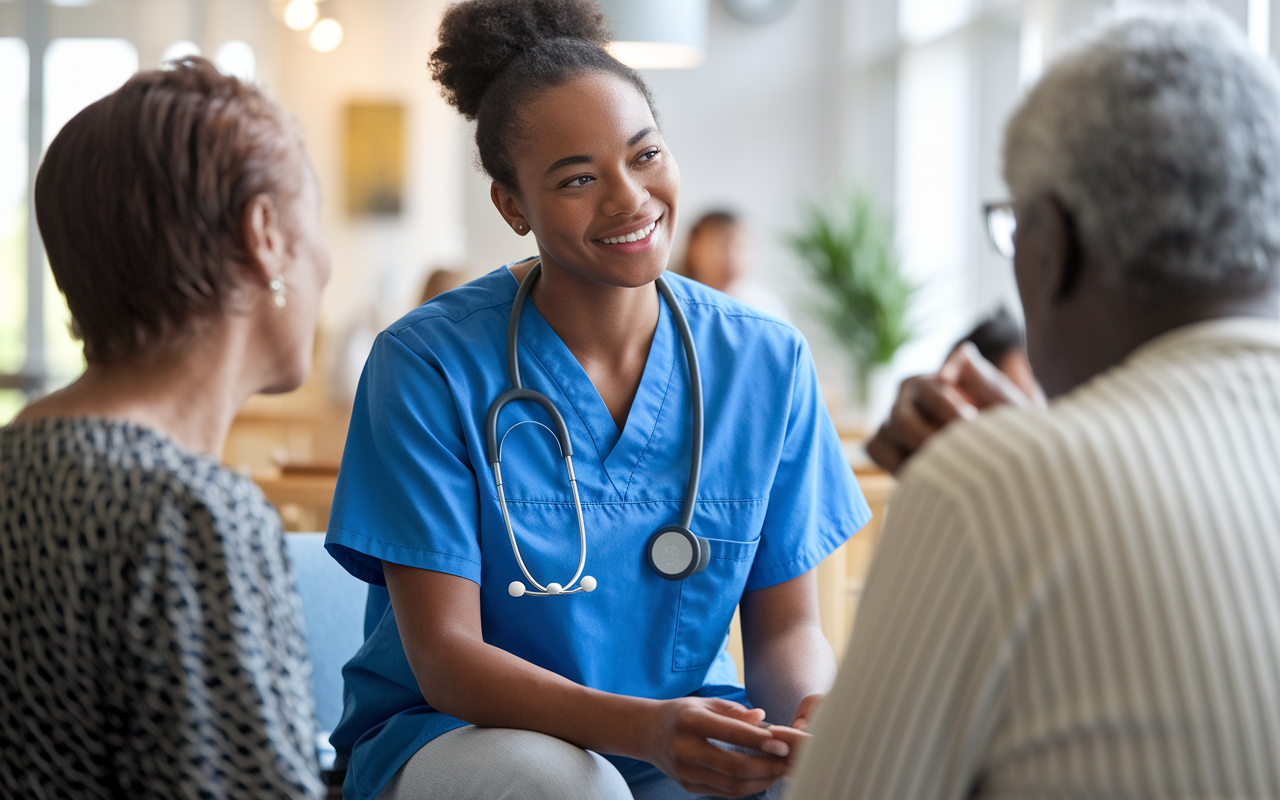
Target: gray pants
(505, 764)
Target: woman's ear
(264, 238)
(509, 207)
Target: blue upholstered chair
(333, 608)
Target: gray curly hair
(1160, 133)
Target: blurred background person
(1081, 601)
(719, 254)
(998, 339)
(150, 633)
(346, 362)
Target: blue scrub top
(777, 496)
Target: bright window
(77, 72)
(923, 20)
(13, 206)
(236, 58)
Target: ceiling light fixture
(301, 14)
(657, 34)
(326, 35)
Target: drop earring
(277, 291)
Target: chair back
(333, 611)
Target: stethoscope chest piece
(675, 553)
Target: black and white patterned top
(151, 639)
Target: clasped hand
(683, 739)
(966, 385)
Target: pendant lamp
(657, 34)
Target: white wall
(379, 263)
(755, 128)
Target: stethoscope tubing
(493, 445)
(695, 401)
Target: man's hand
(966, 384)
(805, 711)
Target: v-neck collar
(618, 452)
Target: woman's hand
(678, 742)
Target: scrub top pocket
(703, 616)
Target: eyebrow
(635, 140)
(569, 160)
(566, 161)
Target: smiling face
(595, 182)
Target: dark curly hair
(494, 55)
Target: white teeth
(632, 237)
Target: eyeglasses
(1000, 226)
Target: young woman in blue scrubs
(464, 690)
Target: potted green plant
(847, 245)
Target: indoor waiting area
(507, 398)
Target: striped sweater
(1079, 602)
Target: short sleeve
(815, 503)
(406, 490)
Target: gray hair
(1159, 132)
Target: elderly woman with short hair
(151, 642)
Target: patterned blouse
(151, 640)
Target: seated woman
(561, 591)
(151, 641)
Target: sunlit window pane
(11, 401)
(922, 20)
(236, 58)
(77, 72)
(179, 49)
(13, 205)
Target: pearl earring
(519, 227)
(277, 291)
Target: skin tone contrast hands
(438, 616)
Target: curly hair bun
(480, 38)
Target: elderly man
(1084, 600)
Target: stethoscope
(674, 551)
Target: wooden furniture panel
(841, 574)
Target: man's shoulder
(985, 451)
(1019, 450)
